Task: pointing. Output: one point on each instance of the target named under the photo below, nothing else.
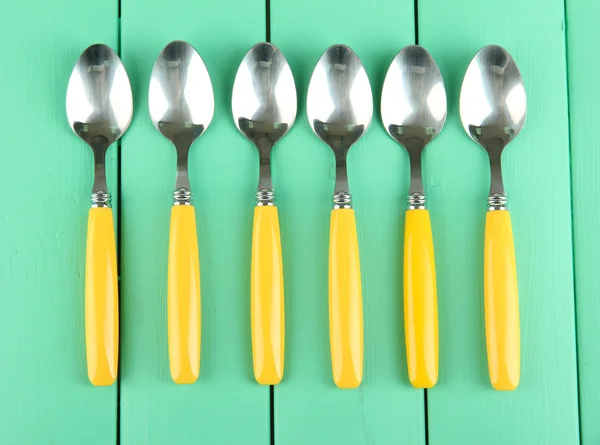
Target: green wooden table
(551, 173)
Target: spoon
(264, 109)
(340, 107)
(99, 110)
(413, 111)
(493, 109)
(181, 104)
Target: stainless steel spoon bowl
(493, 109)
(340, 107)
(181, 106)
(99, 109)
(413, 108)
(264, 105)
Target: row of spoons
(339, 107)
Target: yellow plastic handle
(184, 296)
(267, 307)
(501, 302)
(101, 299)
(420, 300)
(345, 301)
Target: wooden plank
(583, 30)
(46, 174)
(225, 405)
(308, 407)
(463, 408)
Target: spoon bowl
(264, 99)
(339, 103)
(413, 98)
(99, 99)
(493, 103)
(180, 98)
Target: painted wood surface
(463, 408)
(225, 405)
(44, 393)
(46, 176)
(583, 34)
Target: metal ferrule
(100, 199)
(182, 197)
(497, 202)
(265, 197)
(342, 200)
(417, 201)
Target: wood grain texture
(225, 405)
(46, 176)
(463, 408)
(583, 32)
(309, 408)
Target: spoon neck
(416, 179)
(342, 199)
(100, 196)
(496, 183)
(497, 196)
(182, 180)
(264, 191)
